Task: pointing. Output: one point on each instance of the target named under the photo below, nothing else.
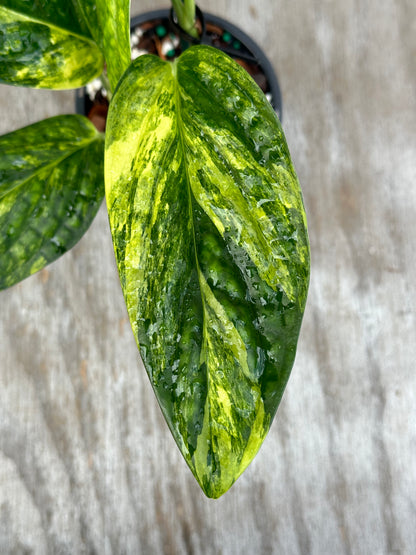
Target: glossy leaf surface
(210, 238)
(46, 45)
(109, 23)
(51, 186)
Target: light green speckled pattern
(45, 48)
(210, 238)
(51, 186)
(109, 23)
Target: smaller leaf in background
(109, 23)
(46, 46)
(51, 186)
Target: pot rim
(235, 31)
(239, 34)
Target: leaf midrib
(206, 336)
(47, 166)
(51, 25)
(180, 132)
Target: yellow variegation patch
(44, 53)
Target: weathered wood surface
(87, 464)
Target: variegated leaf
(51, 186)
(109, 23)
(210, 237)
(45, 45)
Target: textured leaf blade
(46, 46)
(109, 23)
(210, 239)
(51, 186)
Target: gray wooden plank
(87, 464)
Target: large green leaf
(210, 238)
(51, 186)
(46, 45)
(109, 23)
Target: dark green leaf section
(51, 186)
(43, 45)
(109, 23)
(210, 238)
(55, 12)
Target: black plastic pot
(159, 25)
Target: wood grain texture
(87, 464)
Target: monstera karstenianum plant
(205, 210)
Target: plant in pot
(205, 210)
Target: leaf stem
(106, 84)
(185, 11)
